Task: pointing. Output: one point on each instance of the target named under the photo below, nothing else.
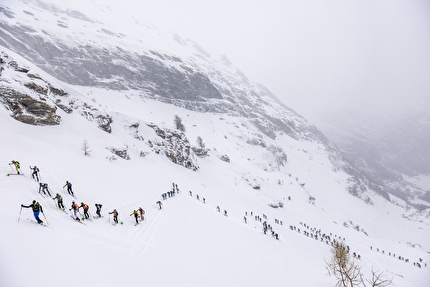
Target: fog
(318, 57)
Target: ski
(35, 222)
(9, 174)
(77, 220)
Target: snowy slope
(187, 243)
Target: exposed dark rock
(36, 88)
(104, 122)
(276, 204)
(17, 68)
(28, 110)
(56, 91)
(225, 158)
(121, 152)
(175, 146)
(199, 151)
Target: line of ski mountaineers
(138, 214)
(333, 239)
(75, 208)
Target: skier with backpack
(16, 164)
(69, 188)
(85, 207)
(44, 187)
(142, 212)
(59, 199)
(159, 204)
(37, 208)
(75, 208)
(35, 173)
(99, 208)
(115, 215)
(136, 216)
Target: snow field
(187, 243)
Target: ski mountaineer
(35, 173)
(159, 204)
(16, 164)
(85, 207)
(136, 216)
(115, 215)
(142, 212)
(37, 208)
(99, 208)
(44, 187)
(69, 188)
(59, 199)
(75, 210)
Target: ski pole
(19, 217)
(45, 217)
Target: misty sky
(316, 56)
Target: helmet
(57, 194)
(73, 202)
(82, 203)
(34, 201)
(40, 183)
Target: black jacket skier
(37, 208)
(115, 215)
(35, 172)
(99, 208)
(59, 199)
(85, 207)
(44, 187)
(136, 216)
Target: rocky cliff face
(32, 103)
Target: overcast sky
(316, 56)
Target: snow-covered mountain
(68, 79)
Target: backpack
(36, 206)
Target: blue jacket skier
(69, 188)
(37, 208)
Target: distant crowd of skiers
(417, 263)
